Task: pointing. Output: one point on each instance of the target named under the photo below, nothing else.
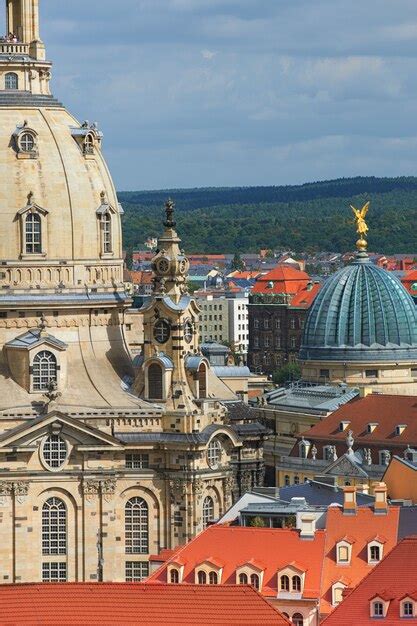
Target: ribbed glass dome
(362, 313)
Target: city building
(401, 477)
(102, 462)
(277, 308)
(214, 317)
(362, 330)
(409, 280)
(289, 411)
(78, 604)
(387, 594)
(355, 443)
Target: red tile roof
(284, 279)
(388, 411)
(358, 530)
(304, 298)
(395, 576)
(105, 604)
(234, 545)
(140, 278)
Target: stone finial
(169, 211)
(314, 452)
(42, 324)
(30, 197)
(350, 441)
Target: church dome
(362, 313)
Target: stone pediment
(24, 435)
(345, 466)
(34, 339)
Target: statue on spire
(361, 225)
(169, 210)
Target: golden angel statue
(360, 214)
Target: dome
(362, 313)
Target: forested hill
(314, 216)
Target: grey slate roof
(316, 398)
(317, 493)
(33, 338)
(27, 99)
(9, 298)
(231, 371)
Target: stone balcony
(7, 47)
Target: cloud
(237, 92)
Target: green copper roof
(362, 313)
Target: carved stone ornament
(178, 489)
(90, 489)
(198, 488)
(229, 484)
(21, 490)
(6, 488)
(108, 488)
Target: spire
(170, 265)
(361, 227)
(23, 25)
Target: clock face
(183, 266)
(163, 266)
(188, 332)
(162, 331)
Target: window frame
(62, 451)
(133, 576)
(38, 371)
(208, 511)
(54, 529)
(7, 78)
(33, 234)
(136, 526)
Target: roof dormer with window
(209, 572)
(250, 573)
(291, 581)
(344, 551)
(379, 604)
(408, 606)
(375, 549)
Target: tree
(237, 263)
(287, 373)
(257, 522)
(129, 259)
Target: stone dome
(362, 313)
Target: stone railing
(13, 48)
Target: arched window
(202, 381)
(374, 553)
(214, 453)
(54, 527)
(202, 578)
(89, 144)
(297, 619)
(254, 581)
(54, 451)
(343, 554)
(286, 480)
(296, 584)
(408, 609)
(296, 480)
(11, 81)
(106, 233)
(284, 583)
(136, 526)
(33, 234)
(174, 577)
(213, 578)
(155, 389)
(208, 511)
(27, 142)
(44, 370)
(243, 579)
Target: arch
(298, 619)
(174, 576)
(136, 526)
(243, 579)
(11, 81)
(33, 234)
(106, 231)
(54, 540)
(88, 146)
(44, 370)
(254, 581)
(213, 578)
(202, 381)
(284, 583)
(296, 584)
(155, 382)
(208, 511)
(202, 578)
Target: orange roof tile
(102, 604)
(304, 298)
(388, 411)
(284, 279)
(234, 545)
(354, 528)
(394, 575)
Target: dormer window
(254, 581)
(284, 583)
(400, 429)
(106, 227)
(213, 578)
(243, 579)
(337, 592)
(105, 213)
(343, 425)
(25, 142)
(33, 234)
(343, 552)
(377, 609)
(407, 608)
(11, 81)
(88, 138)
(88, 146)
(202, 578)
(174, 576)
(375, 550)
(44, 371)
(33, 227)
(371, 427)
(384, 457)
(296, 584)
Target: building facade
(102, 462)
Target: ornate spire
(361, 226)
(169, 210)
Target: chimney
(364, 391)
(380, 493)
(307, 525)
(349, 501)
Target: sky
(199, 93)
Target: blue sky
(240, 92)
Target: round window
(214, 453)
(188, 332)
(54, 452)
(162, 331)
(27, 142)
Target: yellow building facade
(103, 461)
